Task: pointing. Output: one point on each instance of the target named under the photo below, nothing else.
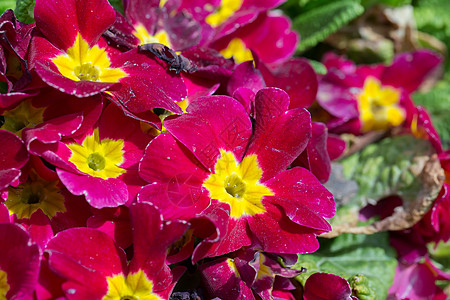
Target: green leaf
(7, 4)
(326, 17)
(394, 3)
(368, 259)
(387, 168)
(318, 67)
(25, 11)
(437, 103)
(117, 4)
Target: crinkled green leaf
(7, 4)
(326, 17)
(25, 11)
(368, 256)
(117, 4)
(387, 168)
(437, 103)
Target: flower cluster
(180, 140)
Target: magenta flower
(150, 22)
(19, 262)
(42, 204)
(218, 163)
(250, 274)
(96, 268)
(416, 281)
(269, 36)
(100, 163)
(49, 106)
(219, 18)
(365, 98)
(70, 55)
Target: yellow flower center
(98, 158)
(237, 49)
(379, 106)
(238, 184)
(35, 194)
(4, 286)
(135, 286)
(226, 9)
(83, 63)
(146, 38)
(25, 115)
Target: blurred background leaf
(25, 11)
(7, 4)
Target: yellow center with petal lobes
(82, 62)
(25, 115)
(146, 38)
(98, 158)
(238, 184)
(237, 49)
(379, 106)
(135, 286)
(4, 286)
(226, 9)
(34, 194)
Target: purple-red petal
(324, 286)
(212, 123)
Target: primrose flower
(269, 36)
(245, 82)
(417, 281)
(238, 27)
(254, 273)
(221, 17)
(219, 165)
(148, 22)
(42, 204)
(49, 105)
(70, 55)
(109, 276)
(360, 99)
(100, 163)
